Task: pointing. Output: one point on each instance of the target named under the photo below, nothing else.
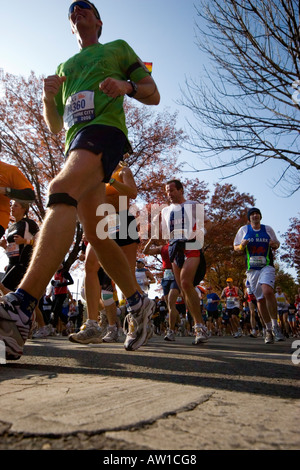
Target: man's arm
(274, 242)
(151, 250)
(240, 242)
(25, 195)
(146, 92)
(150, 277)
(51, 88)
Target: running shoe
(87, 334)
(150, 332)
(43, 332)
(136, 325)
(15, 326)
(278, 336)
(238, 334)
(201, 335)
(111, 335)
(253, 334)
(170, 335)
(269, 339)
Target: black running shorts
(108, 140)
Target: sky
(36, 36)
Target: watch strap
(134, 89)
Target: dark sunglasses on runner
(83, 5)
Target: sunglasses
(83, 5)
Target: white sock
(90, 322)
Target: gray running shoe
(278, 336)
(170, 335)
(238, 334)
(15, 326)
(111, 335)
(269, 339)
(136, 325)
(87, 334)
(201, 335)
(150, 332)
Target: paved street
(227, 394)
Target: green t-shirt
(80, 101)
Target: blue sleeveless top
(258, 251)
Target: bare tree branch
(245, 115)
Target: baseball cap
(140, 261)
(252, 210)
(229, 279)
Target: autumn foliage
(155, 139)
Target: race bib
(12, 250)
(113, 222)
(232, 303)
(79, 108)
(257, 261)
(168, 274)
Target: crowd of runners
(85, 97)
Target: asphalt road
(228, 394)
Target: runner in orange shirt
(13, 185)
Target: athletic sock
(269, 326)
(27, 302)
(135, 301)
(92, 322)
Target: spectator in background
(214, 318)
(62, 279)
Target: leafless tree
(247, 102)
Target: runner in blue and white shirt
(257, 242)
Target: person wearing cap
(257, 242)
(85, 97)
(13, 185)
(233, 295)
(143, 276)
(18, 244)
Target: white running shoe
(43, 332)
(238, 334)
(201, 335)
(278, 336)
(15, 326)
(111, 335)
(150, 332)
(170, 335)
(269, 339)
(136, 325)
(87, 334)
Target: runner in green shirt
(86, 96)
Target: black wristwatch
(134, 89)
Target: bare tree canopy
(243, 105)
